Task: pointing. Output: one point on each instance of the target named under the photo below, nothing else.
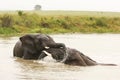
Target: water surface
(103, 48)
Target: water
(100, 47)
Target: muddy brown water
(104, 48)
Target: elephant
(30, 46)
(71, 57)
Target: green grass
(21, 22)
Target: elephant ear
(27, 39)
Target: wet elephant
(71, 57)
(30, 46)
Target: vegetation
(20, 22)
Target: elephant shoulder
(18, 50)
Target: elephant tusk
(47, 47)
(47, 53)
(62, 47)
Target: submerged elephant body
(71, 57)
(75, 57)
(30, 46)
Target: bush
(20, 13)
(7, 21)
(101, 22)
(5, 30)
(27, 20)
(44, 23)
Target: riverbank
(54, 22)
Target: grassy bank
(20, 22)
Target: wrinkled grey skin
(30, 46)
(57, 53)
(71, 57)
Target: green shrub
(44, 23)
(4, 30)
(20, 13)
(27, 20)
(101, 22)
(7, 21)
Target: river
(104, 48)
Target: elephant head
(68, 56)
(30, 46)
(37, 42)
(58, 53)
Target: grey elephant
(71, 57)
(30, 46)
